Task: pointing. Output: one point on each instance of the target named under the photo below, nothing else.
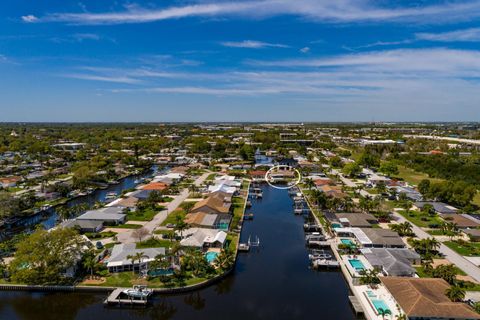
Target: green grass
(121, 279)
(143, 215)
(128, 226)
(465, 249)
(100, 235)
(420, 219)
(211, 176)
(422, 274)
(154, 243)
(172, 217)
(413, 177)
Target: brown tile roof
(460, 220)
(155, 186)
(129, 202)
(425, 297)
(216, 201)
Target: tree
(455, 293)
(389, 168)
(309, 183)
(403, 229)
(352, 169)
(424, 187)
(446, 272)
(369, 277)
(188, 206)
(225, 260)
(90, 262)
(140, 233)
(44, 256)
(180, 225)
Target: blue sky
(265, 60)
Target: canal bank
(273, 282)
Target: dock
(357, 306)
(114, 298)
(324, 263)
(316, 243)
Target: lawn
(143, 215)
(100, 235)
(172, 217)
(211, 176)
(464, 248)
(420, 219)
(154, 243)
(128, 226)
(413, 177)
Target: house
(83, 225)
(108, 215)
(119, 258)
(129, 202)
(157, 186)
(372, 237)
(10, 182)
(141, 194)
(424, 298)
(288, 162)
(462, 221)
(204, 238)
(222, 188)
(218, 202)
(439, 207)
(258, 175)
(333, 191)
(359, 220)
(473, 234)
(392, 261)
(208, 220)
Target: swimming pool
(356, 264)
(348, 242)
(211, 256)
(380, 305)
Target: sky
(250, 60)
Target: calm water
(273, 283)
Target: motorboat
(138, 292)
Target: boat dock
(324, 263)
(115, 298)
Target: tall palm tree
(89, 263)
(309, 183)
(455, 293)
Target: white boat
(320, 256)
(111, 195)
(325, 263)
(138, 292)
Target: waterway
(273, 282)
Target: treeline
(446, 166)
(457, 193)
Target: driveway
(466, 266)
(126, 237)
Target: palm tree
(309, 183)
(89, 263)
(225, 260)
(139, 257)
(455, 293)
(369, 277)
(63, 212)
(403, 229)
(180, 225)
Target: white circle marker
(290, 184)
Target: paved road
(468, 267)
(126, 237)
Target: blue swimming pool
(356, 264)
(348, 242)
(211, 256)
(379, 305)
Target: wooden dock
(114, 299)
(316, 243)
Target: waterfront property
(372, 237)
(392, 261)
(121, 257)
(108, 215)
(204, 238)
(424, 298)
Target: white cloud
(29, 18)
(466, 35)
(305, 50)
(252, 44)
(317, 10)
(102, 78)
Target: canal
(273, 282)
